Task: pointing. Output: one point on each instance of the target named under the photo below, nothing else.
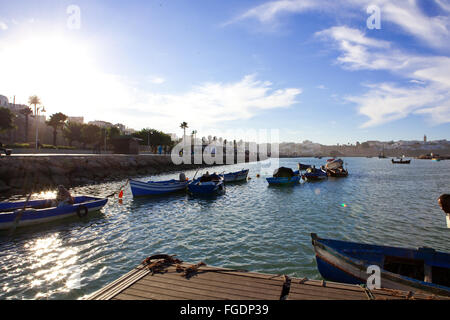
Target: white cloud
(385, 102)
(158, 80)
(434, 30)
(3, 26)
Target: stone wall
(19, 174)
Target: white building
(4, 102)
(79, 120)
(101, 124)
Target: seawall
(21, 174)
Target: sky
(326, 71)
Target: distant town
(66, 132)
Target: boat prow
(422, 270)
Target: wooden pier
(163, 280)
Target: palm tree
(26, 112)
(34, 100)
(184, 126)
(56, 121)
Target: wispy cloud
(385, 102)
(3, 26)
(434, 30)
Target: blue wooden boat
(423, 270)
(283, 180)
(236, 176)
(139, 188)
(41, 211)
(207, 185)
(314, 174)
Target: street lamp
(36, 114)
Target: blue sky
(312, 69)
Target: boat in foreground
(207, 185)
(140, 188)
(236, 176)
(41, 211)
(424, 269)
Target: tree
(90, 134)
(72, 132)
(184, 126)
(26, 112)
(6, 119)
(56, 121)
(34, 100)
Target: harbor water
(252, 226)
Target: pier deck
(212, 283)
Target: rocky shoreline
(21, 174)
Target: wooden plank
(179, 293)
(210, 288)
(223, 279)
(326, 293)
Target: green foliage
(56, 121)
(90, 134)
(18, 145)
(6, 119)
(72, 132)
(156, 137)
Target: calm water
(252, 226)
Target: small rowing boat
(41, 211)
(401, 161)
(207, 185)
(284, 176)
(423, 269)
(314, 174)
(139, 188)
(236, 176)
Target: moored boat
(423, 270)
(207, 185)
(236, 176)
(314, 174)
(140, 188)
(41, 211)
(401, 161)
(284, 176)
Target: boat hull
(283, 181)
(198, 188)
(236, 176)
(335, 265)
(30, 217)
(139, 188)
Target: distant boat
(236, 176)
(423, 270)
(314, 174)
(139, 188)
(401, 161)
(41, 211)
(435, 159)
(207, 185)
